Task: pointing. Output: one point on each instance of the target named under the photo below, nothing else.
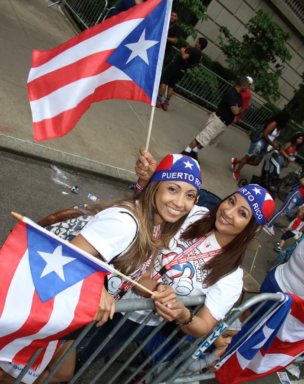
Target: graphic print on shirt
(186, 274)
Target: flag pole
(150, 127)
(84, 253)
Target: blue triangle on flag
(54, 266)
(137, 69)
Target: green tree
(295, 105)
(190, 12)
(261, 54)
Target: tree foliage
(189, 12)
(295, 106)
(261, 54)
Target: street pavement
(107, 138)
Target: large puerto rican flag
(48, 289)
(276, 344)
(120, 58)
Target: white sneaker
(269, 230)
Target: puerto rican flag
(48, 289)
(120, 58)
(276, 344)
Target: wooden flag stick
(86, 254)
(150, 128)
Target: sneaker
(236, 176)
(159, 103)
(233, 163)
(269, 230)
(165, 105)
(277, 249)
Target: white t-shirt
(187, 278)
(111, 232)
(289, 275)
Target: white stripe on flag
(261, 364)
(21, 291)
(15, 369)
(71, 95)
(106, 40)
(292, 330)
(62, 315)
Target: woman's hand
(164, 294)
(106, 308)
(145, 165)
(173, 311)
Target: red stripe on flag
(62, 124)
(297, 310)
(140, 11)
(85, 312)
(88, 66)
(285, 347)
(11, 253)
(38, 317)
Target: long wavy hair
(144, 245)
(231, 255)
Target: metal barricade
(89, 12)
(130, 363)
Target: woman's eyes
(243, 214)
(191, 196)
(231, 200)
(172, 189)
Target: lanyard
(136, 275)
(185, 256)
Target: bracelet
(189, 320)
(139, 187)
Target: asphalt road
(36, 189)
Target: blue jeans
(292, 201)
(96, 337)
(257, 149)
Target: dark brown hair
(232, 254)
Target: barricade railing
(131, 362)
(88, 13)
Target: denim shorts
(257, 149)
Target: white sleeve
(224, 293)
(111, 232)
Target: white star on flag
(257, 191)
(55, 262)
(188, 164)
(140, 48)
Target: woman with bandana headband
(214, 245)
(203, 258)
(129, 232)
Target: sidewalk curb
(50, 155)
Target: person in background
(229, 107)
(189, 57)
(290, 150)
(294, 199)
(294, 230)
(258, 148)
(174, 34)
(287, 277)
(122, 6)
(246, 97)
